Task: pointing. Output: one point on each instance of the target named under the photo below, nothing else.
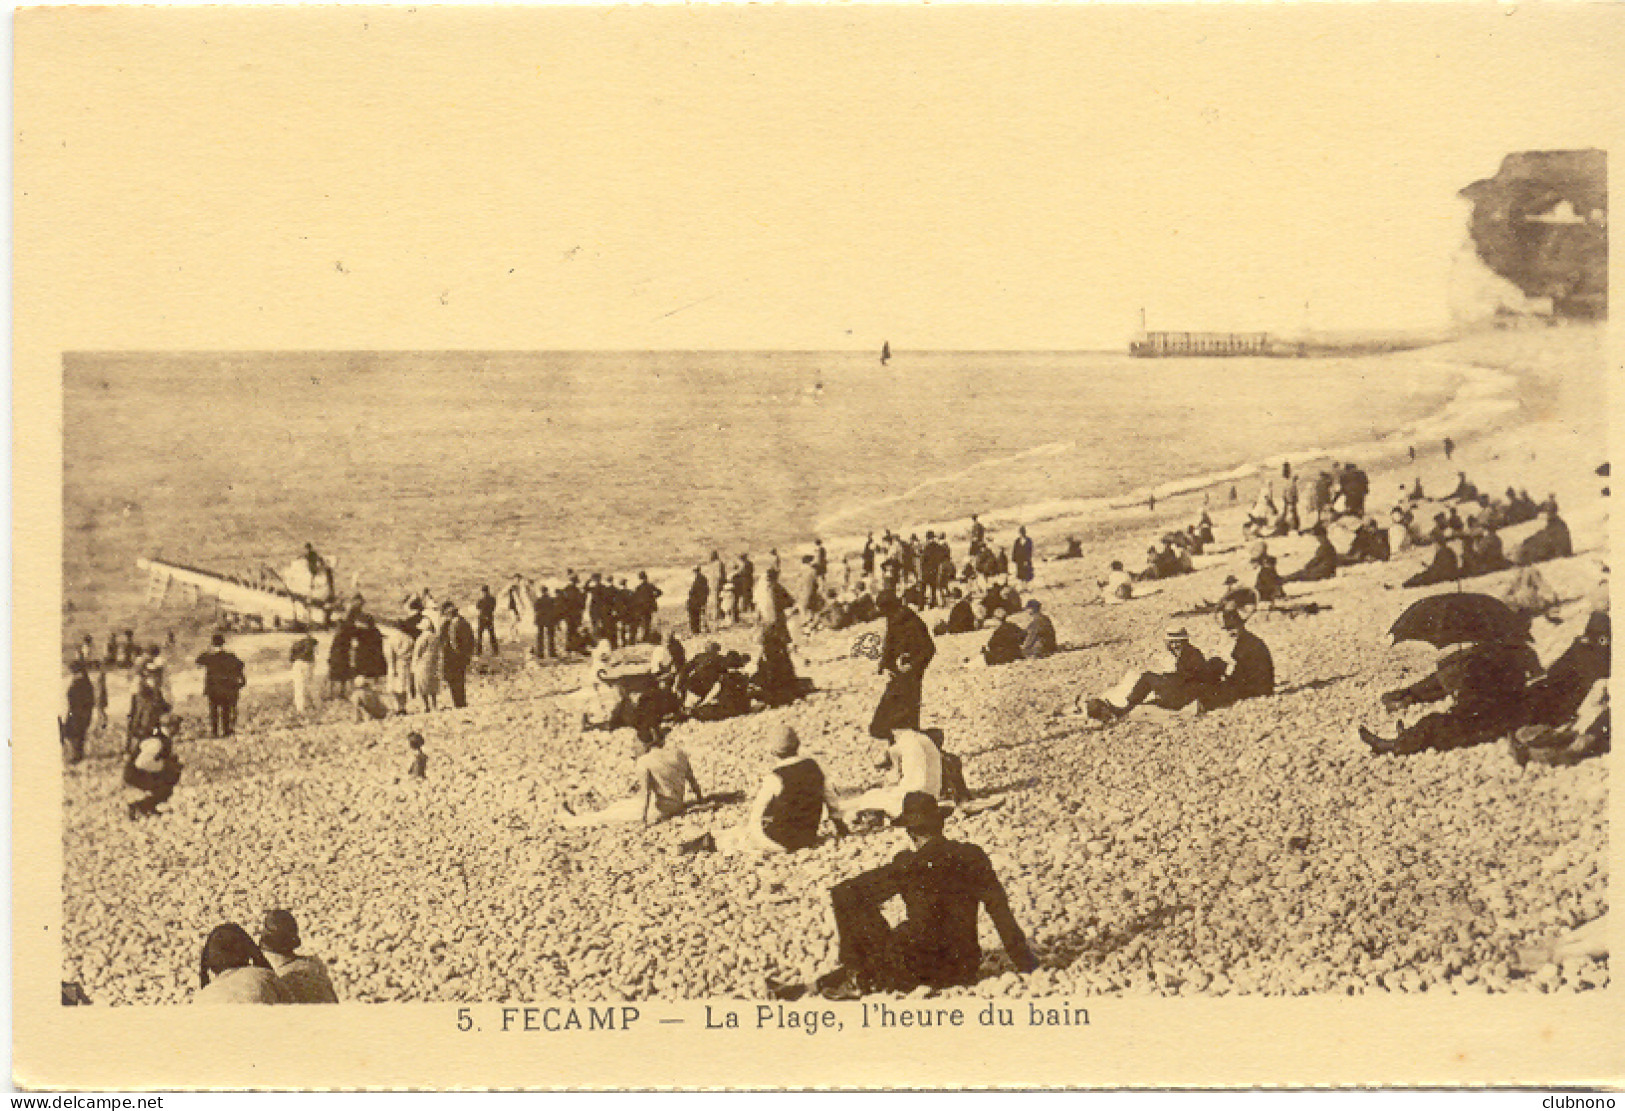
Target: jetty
(1150, 345)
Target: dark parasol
(1445, 619)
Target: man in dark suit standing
(457, 650)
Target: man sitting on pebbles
(943, 884)
(663, 773)
(916, 760)
(788, 807)
(1249, 670)
(1190, 676)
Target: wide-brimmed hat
(920, 811)
(1176, 632)
(448, 606)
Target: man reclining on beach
(1485, 685)
(1190, 675)
(663, 773)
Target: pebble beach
(1259, 849)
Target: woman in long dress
(426, 663)
(398, 651)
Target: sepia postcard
(813, 547)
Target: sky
(769, 177)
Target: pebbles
(1254, 850)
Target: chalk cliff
(1542, 223)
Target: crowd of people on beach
(1492, 684)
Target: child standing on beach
(420, 762)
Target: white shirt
(920, 760)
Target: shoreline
(1220, 846)
(1480, 393)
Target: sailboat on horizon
(885, 352)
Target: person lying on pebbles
(1486, 686)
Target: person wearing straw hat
(1189, 676)
(943, 885)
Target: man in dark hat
(1039, 640)
(571, 601)
(698, 591)
(147, 707)
(81, 711)
(942, 884)
(545, 613)
(1249, 670)
(1004, 644)
(457, 650)
(904, 655)
(305, 977)
(645, 607)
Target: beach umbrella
(1445, 619)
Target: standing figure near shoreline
(545, 610)
(645, 607)
(485, 608)
(698, 591)
(1021, 554)
(338, 660)
(426, 664)
(457, 650)
(716, 575)
(223, 679)
(398, 644)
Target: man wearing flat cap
(457, 650)
(305, 977)
(943, 884)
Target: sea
(449, 469)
